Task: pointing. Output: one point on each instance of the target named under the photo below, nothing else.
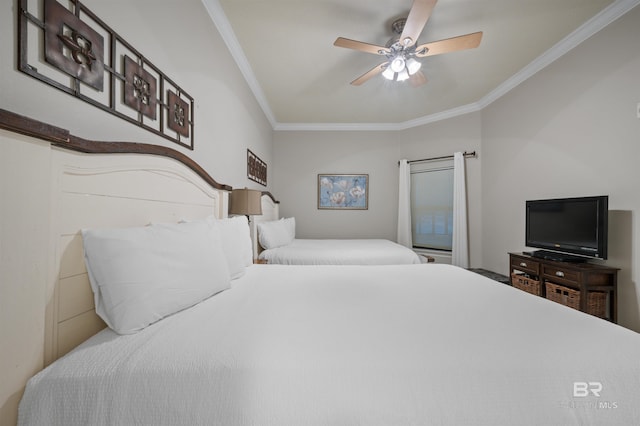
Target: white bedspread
(341, 252)
(351, 345)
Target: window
(432, 205)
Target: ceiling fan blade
(452, 44)
(417, 19)
(371, 73)
(361, 46)
(418, 79)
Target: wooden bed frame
(141, 185)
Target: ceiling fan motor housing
(397, 26)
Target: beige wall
(300, 156)
(571, 130)
(180, 39)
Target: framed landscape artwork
(343, 192)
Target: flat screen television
(568, 229)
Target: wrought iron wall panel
(256, 168)
(85, 58)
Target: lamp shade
(245, 201)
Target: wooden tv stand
(582, 277)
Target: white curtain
(404, 205)
(460, 245)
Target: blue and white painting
(349, 192)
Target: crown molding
(443, 115)
(221, 22)
(608, 15)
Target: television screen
(575, 226)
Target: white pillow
(236, 243)
(290, 224)
(277, 233)
(141, 275)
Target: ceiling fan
(401, 52)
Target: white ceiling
(285, 50)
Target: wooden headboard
(92, 188)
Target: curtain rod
(444, 157)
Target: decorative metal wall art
(178, 114)
(256, 168)
(72, 46)
(85, 58)
(139, 89)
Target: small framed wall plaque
(256, 168)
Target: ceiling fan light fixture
(413, 66)
(402, 75)
(398, 64)
(388, 73)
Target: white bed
(275, 242)
(293, 345)
(343, 345)
(340, 252)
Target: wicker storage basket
(526, 284)
(596, 300)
